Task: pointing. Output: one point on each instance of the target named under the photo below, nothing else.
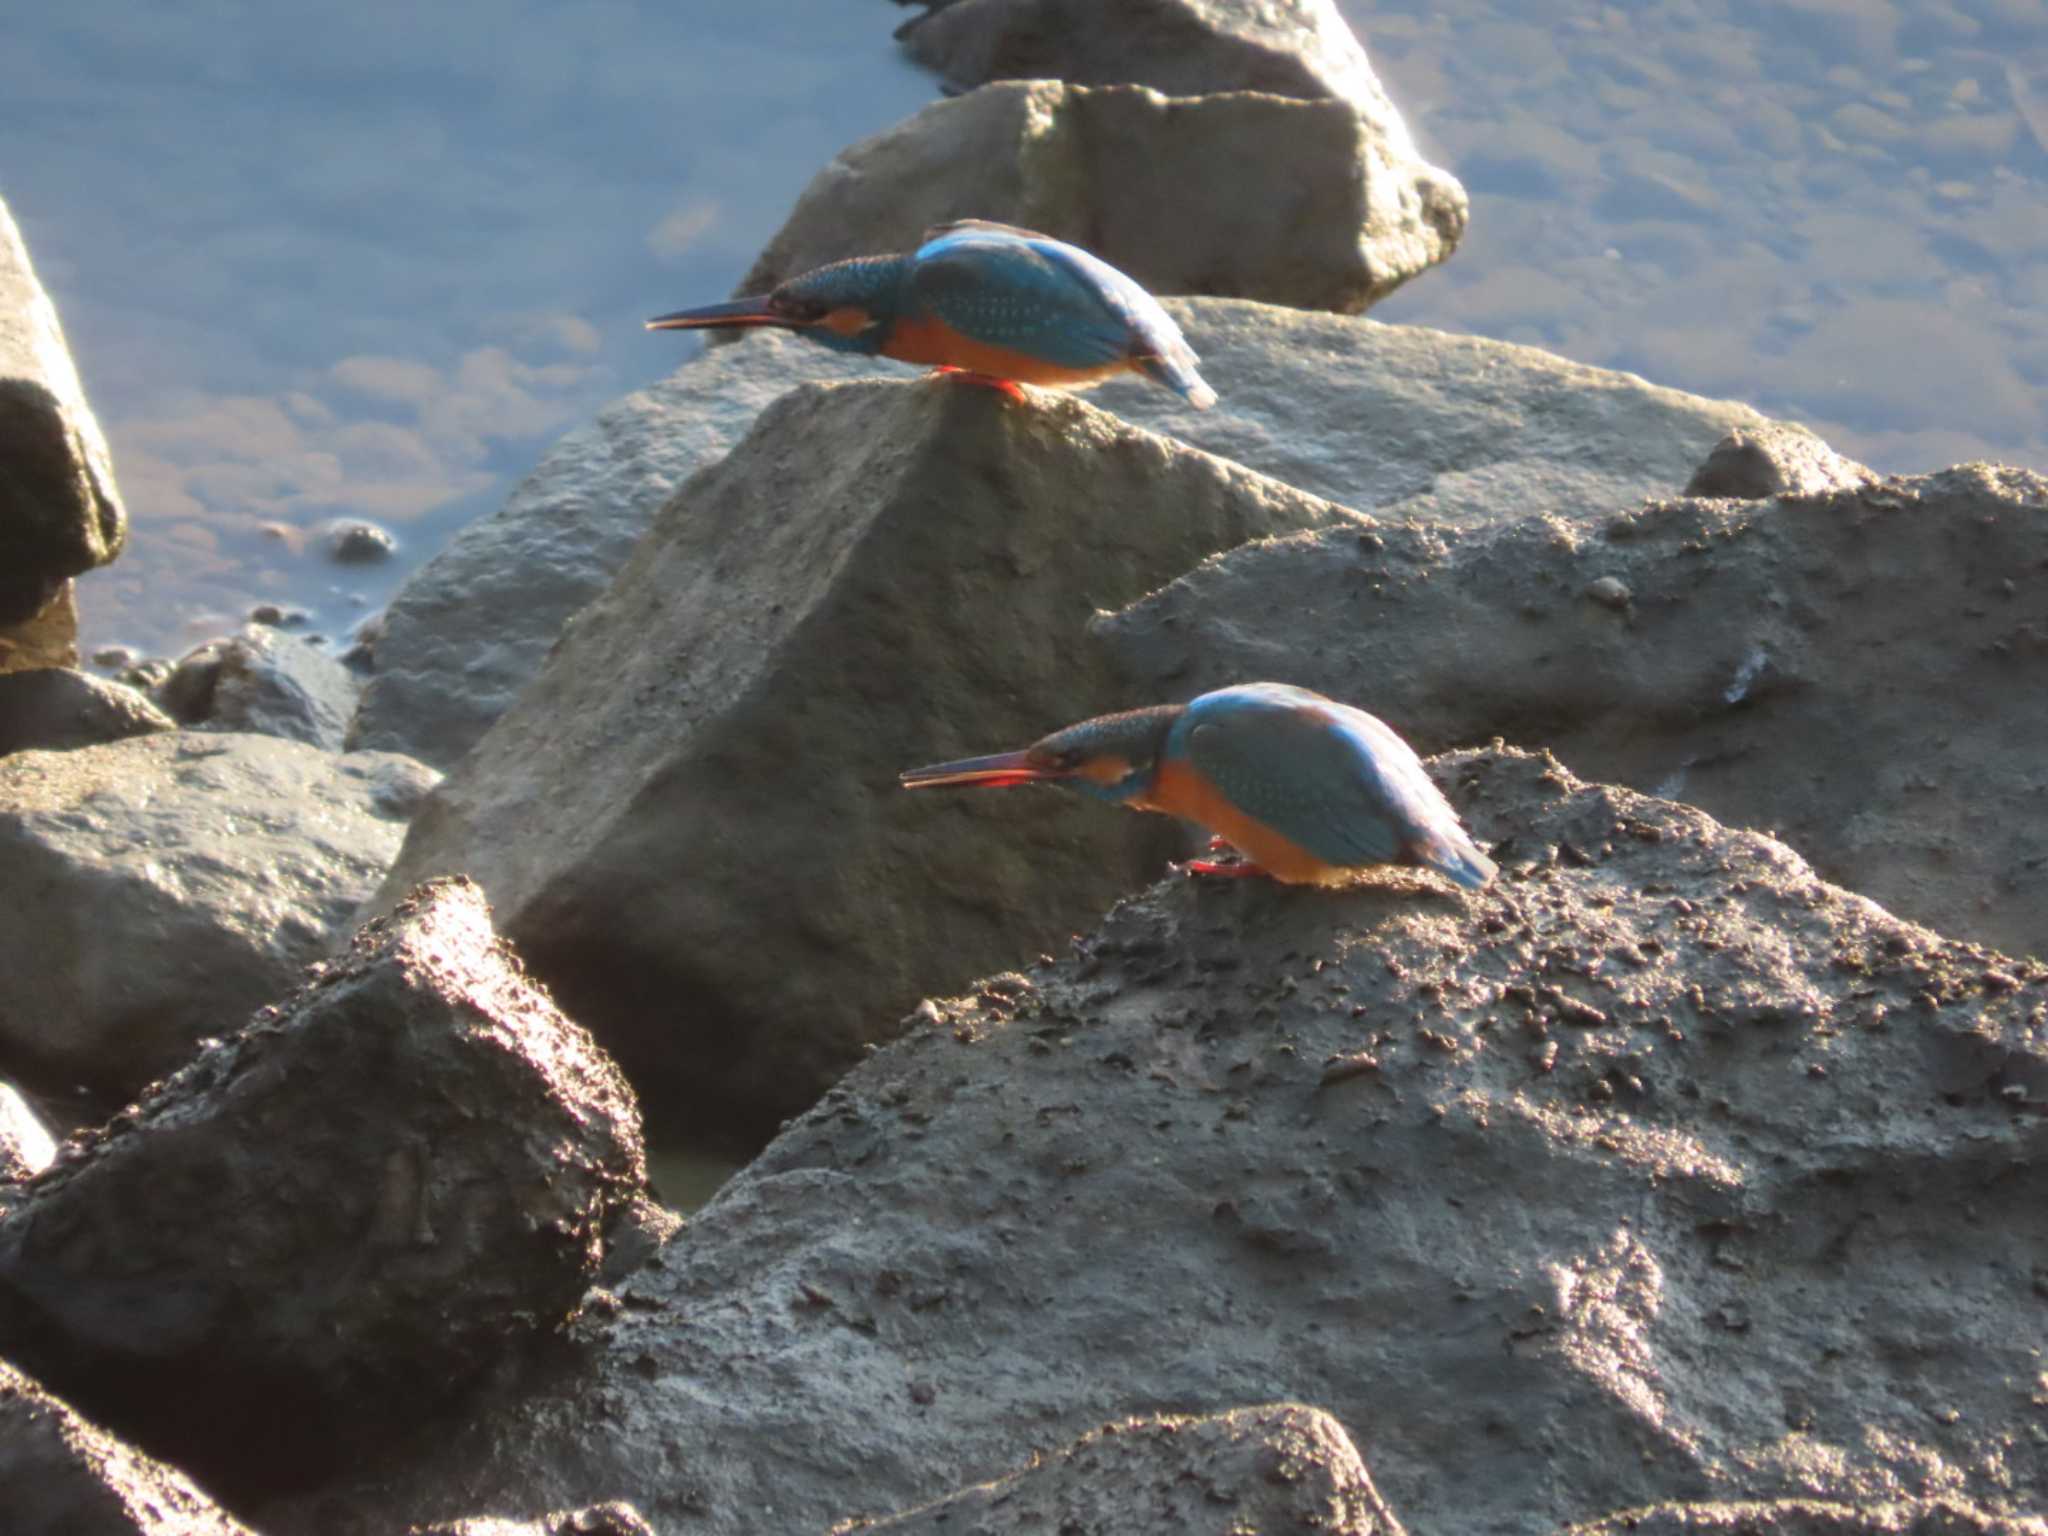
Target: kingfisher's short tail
(1455, 856)
(1178, 374)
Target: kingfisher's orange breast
(1180, 791)
(929, 340)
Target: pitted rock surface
(334, 1221)
(1658, 1171)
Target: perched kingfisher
(1000, 304)
(1307, 789)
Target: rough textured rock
(60, 1476)
(1298, 48)
(1658, 1170)
(726, 885)
(1815, 1517)
(598, 1520)
(1775, 460)
(262, 681)
(1283, 1467)
(1361, 413)
(26, 1146)
(59, 511)
(333, 1221)
(1315, 209)
(177, 882)
(1854, 670)
(55, 709)
(45, 639)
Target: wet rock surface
(1858, 670)
(1316, 210)
(61, 1476)
(727, 886)
(1282, 1467)
(1657, 1171)
(265, 682)
(177, 881)
(56, 709)
(335, 1220)
(60, 513)
(1364, 414)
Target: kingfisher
(1305, 789)
(998, 304)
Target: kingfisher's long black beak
(733, 312)
(993, 772)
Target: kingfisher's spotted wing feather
(1004, 289)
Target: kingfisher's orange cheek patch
(1105, 770)
(847, 320)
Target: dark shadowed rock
(726, 883)
(59, 511)
(1361, 413)
(1279, 1468)
(165, 886)
(1298, 202)
(60, 1476)
(335, 1220)
(45, 639)
(26, 1146)
(1299, 48)
(1857, 670)
(598, 1520)
(262, 681)
(1774, 460)
(1658, 1170)
(55, 709)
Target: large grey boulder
(61, 1476)
(689, 823)
(331, 1223)
(1298, 202)
(57, 708)
(163, 887)
(1859, 670)
(264, 681)
(1298, 48)
(60, 514)
(1282, 1467)
(1361, 413)
(1658, 1170)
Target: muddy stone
(1680, 1176)
(333, 1221)
(1859, 669)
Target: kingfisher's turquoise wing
(1002, 288)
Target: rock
(1817, 1517)
(1680, 1176)
(59, 511)
(47, 639)
(1297, 48)
(262, 681)
(178, 881)
(1316, 209)
(1361, 413)
(726, 885)
(60, 1476)
(1818, 665)
(352, 541)
(1283, 1467)
(469, 630)
(1775, 460)
(55, 709)
(331, 1223)
(26, 1146)
(613, 1519)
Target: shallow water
(322, 263)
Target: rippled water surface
(368, 261)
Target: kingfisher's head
(1111, 756)
(848, 305)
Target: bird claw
(1008, 387)
(1234, 869)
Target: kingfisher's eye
(794, 306)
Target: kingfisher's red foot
(1008, 387)
(1235, 869)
